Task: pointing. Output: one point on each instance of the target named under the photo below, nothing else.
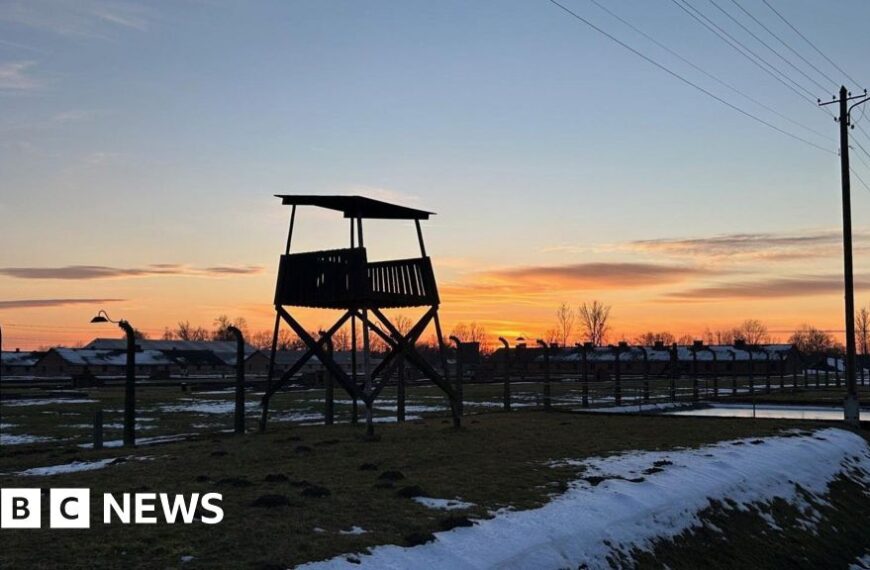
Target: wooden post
(695, 394)
(585, 396)
(674, 371)
(459, 373)
(400, 392)
(329, 385)
(767, 372)
(507, 374)
(239, 415)
(751, 372)
(617, 378)
(547, 393)
(98, 429)
(645, 394)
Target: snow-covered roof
(215, 346)
(684, 353)
(19, 358)
(91, 357)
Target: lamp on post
(130, 384)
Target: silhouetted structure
(345, 279)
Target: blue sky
(150, 133)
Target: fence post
(507, 374)
(781, 371)
(767, 372)
(329, 397)
(400, 392)
(751, 372)
(459, 373)
(239, 416)
(695, 394)
(547, 393)
(98, 429)
(645, 394)
(585, 395)
(674, 372)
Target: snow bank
(862, 563)
(47, 402)
(23, 439)
(632, 499)
(73, 467)
(353, 530)
(443, 504)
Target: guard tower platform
(346, 280)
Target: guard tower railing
(343, 278)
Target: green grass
(495, 460)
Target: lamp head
(99, 319)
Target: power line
(765, 44)
(864, 150)
(708, 74)
(712, 26)
(783, 42)
(688, 82)
(861, 180)
(811, 44)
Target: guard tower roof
(356, 206)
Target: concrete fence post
(98, 429)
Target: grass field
(330, 479)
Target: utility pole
(850, 405)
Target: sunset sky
(142, 144)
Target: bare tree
(553, 336)
(261, 340)
(753, 332)
(593, 320)
(185, 331)
(341, 339)
(286, 340)
(809, 339)
(168, 334)
(685, 339)
(472, 332)
(222, 324)
(862, 329)
(564, 324)
(650, 338)
(402, 323)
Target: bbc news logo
(71, 508)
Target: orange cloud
(104, 272)
(773, 288)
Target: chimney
(739, 343)
(659, 345)
(698, 344)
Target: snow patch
(47, 402)
(23, 439)
(443, 504)
(632, 499)
(353, 530)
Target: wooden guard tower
(345, 279)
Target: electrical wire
(765, 44)
(710, 75)
(738, 46)
(686, 81)
(783, 42)
(811, 44)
